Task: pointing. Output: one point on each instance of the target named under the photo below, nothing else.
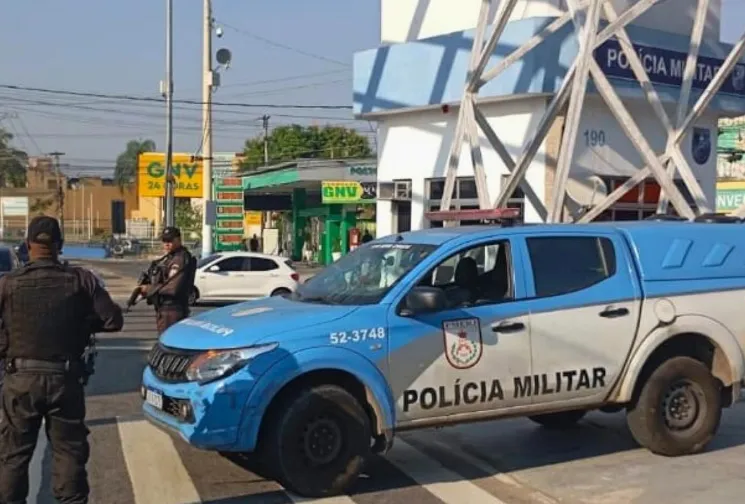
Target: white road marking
(35, 470)
(486, 468)
(154, 465)
(341, 499)
(443, 483)
(126, 348)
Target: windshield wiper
(313, 299)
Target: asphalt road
(504, 462)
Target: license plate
(154, 399)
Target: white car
(238, 276)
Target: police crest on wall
(701, 145)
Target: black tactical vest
(45, 313)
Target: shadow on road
(478, 452)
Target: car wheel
(281, 292)
(193, 296)
(560, 420)
(318, 441)
(678, 409)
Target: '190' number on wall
(594, 138)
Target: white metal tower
(585, 15)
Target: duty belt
(22, 364)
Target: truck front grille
(170, 364)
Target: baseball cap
(170, 233)
(44, 230)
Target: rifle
(145, 278)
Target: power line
(282, 79)
(161, 100)
(282, 46)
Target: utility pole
(207, 83)
(60, 192)
(265, 121)
(169, 199)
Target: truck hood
(248, 323)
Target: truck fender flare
(292, 366)
(728, 366)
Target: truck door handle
(614, 312)
(508, 327)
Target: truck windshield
(364, 276)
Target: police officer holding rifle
(168, 282)
(49, 312)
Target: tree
(187, 217)
(13, 162)
(125, 170)
(295, 141)
(39, 206)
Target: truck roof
(663, 250)
(438, 236)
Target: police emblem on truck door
(463, 343)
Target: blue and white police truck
(444, 326)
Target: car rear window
(206, 260)
(290, 264)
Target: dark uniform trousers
(58, 399)
(168, 315)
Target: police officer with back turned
(169, 292)
(49, 311)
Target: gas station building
(318, 207)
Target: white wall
(415, 146)
(404, 20)
(617, 156)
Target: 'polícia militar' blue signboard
(666, 67)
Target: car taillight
(295, 277)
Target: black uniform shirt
(49, 310)
(176, 291)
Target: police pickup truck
(452, 325)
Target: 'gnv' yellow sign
(151, 175)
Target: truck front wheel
(560, 420)
(678, 410)
(317, 442)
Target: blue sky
(114, 46)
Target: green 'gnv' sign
(347, 192)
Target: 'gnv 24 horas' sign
(666, 67)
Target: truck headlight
(216, 364)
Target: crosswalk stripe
(443, 483)
(155, 468)
(341, 499)
(36, 470)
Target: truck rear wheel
(318, 441)
(678, 410)
(559, 420)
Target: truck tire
(317, 442)
(559, 420)
(678, 409)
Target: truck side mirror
(423, 299)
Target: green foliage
(13, 162)
(287, 143)
(40, 206)
(187, 218)
(125, 170)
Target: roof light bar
(479, 214)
